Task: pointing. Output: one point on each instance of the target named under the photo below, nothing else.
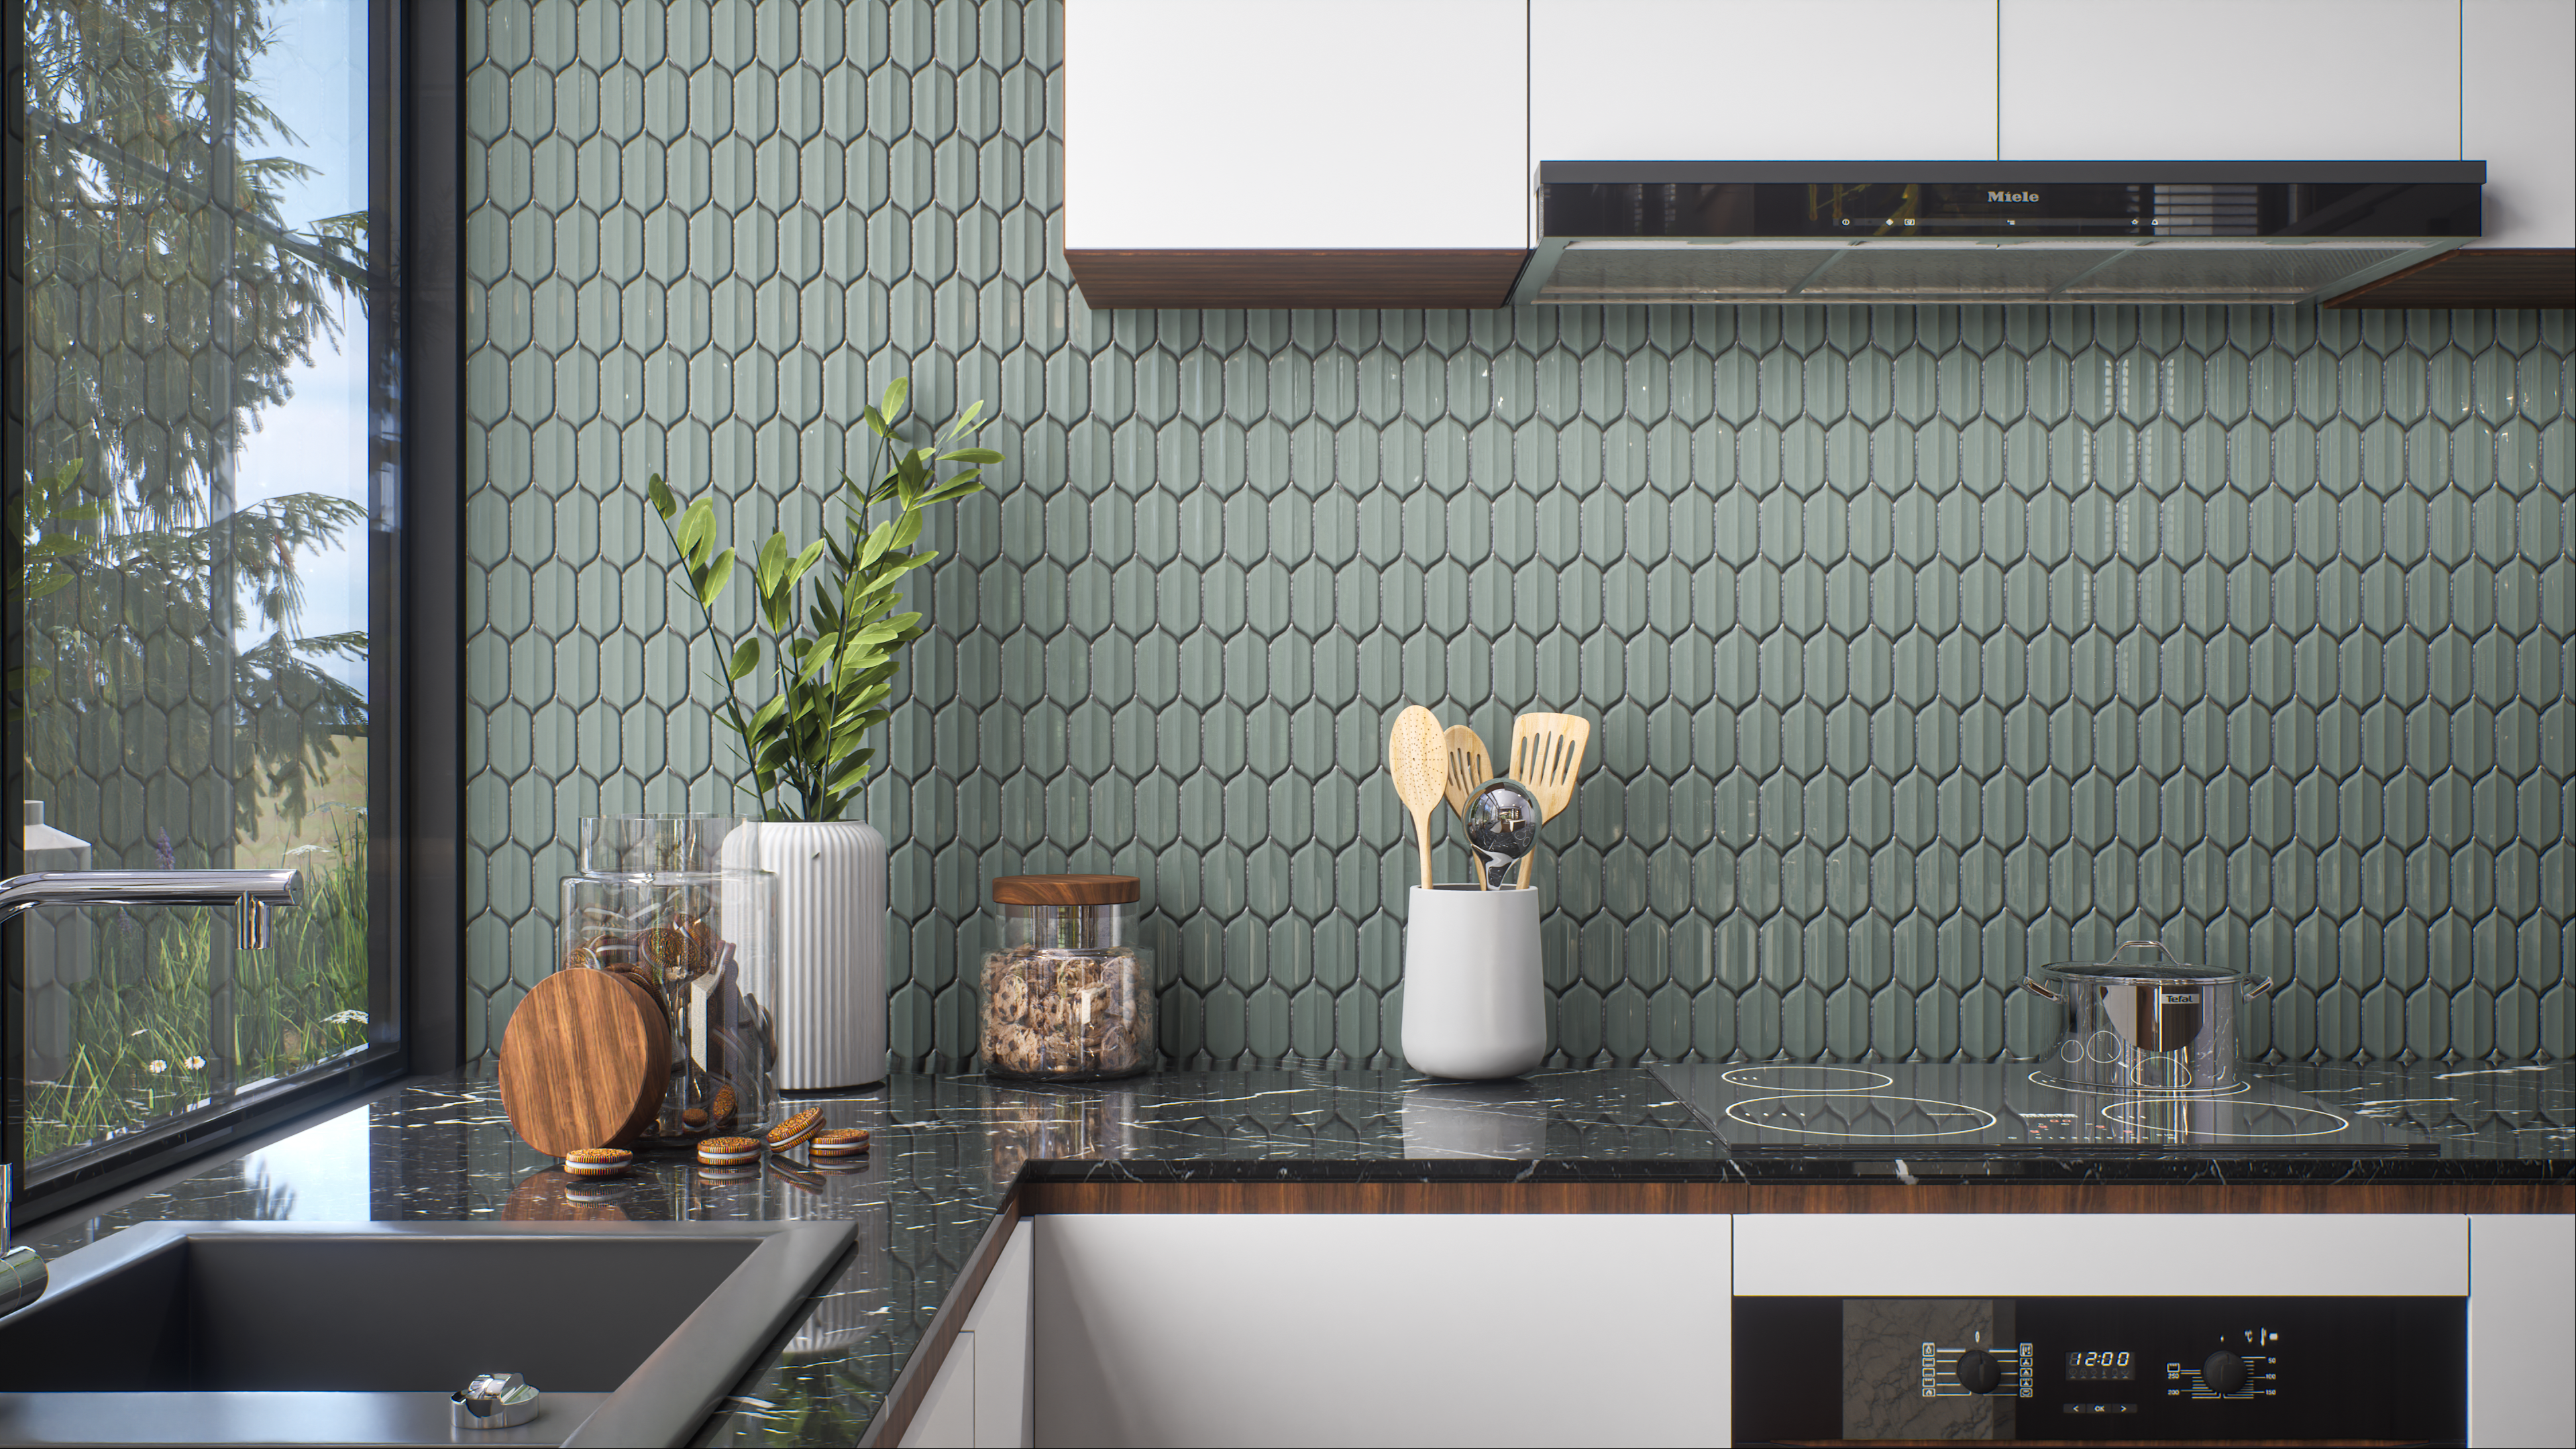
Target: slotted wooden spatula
(1547, 756)
(1469, 768)
(1414, 751)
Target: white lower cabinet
(980, 1398)
(2522, 1329)
(1224, 1329)
(1244, 1329)
(2097, 1255)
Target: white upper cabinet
(1762, 80)
(2231, 80)
(1256, 124)
(2518, 115)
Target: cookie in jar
(1068, 987)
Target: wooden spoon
(1547, 756)
(1414, 750)
(1469, 768)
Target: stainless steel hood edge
(1984, 233)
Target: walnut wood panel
(1064, 890)
(902, 1401)
(1296, 279)
(2476, 277)
(1739, 1197)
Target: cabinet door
(1295, 124)
(980, 1398)
(2052, 1255)
(1003, 1359)
(1762, 80)
(1219, 1329)
(2522, 1329)
(2518, 115)
(946, 1418)
(2225, 80)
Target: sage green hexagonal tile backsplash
(1924, 643)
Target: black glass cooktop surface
(1909, 1109)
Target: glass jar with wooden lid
(1068, 990)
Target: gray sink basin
(236, 1333)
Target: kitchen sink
(358, 1333)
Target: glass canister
(1068, 992)
(665, 844)
(656, 909)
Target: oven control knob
(1978, 1373)
(2223, 1372)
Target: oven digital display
(2101, 1364)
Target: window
(206, 459)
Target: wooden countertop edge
(1743, 1197)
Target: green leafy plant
(831, 639)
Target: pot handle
(2031, 985)
(2259, 987)
(2159, 945)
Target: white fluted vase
(826, 990)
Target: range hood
(2208, 232)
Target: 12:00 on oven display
(2101, 1364)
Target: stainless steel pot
(2153, 1027)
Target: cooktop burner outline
(1876, 1135)
(1738, 1077)
(2240, 1131)
(2012, 1109)
(2179, 1094)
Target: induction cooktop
(1917, 1109)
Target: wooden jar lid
(1064, 890)
(583, 1062)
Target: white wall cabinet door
(2231, 80)
(2518, 114)
(1219, 1329)
(1762, 80)
(1294, 124)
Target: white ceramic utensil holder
(1474, 1005)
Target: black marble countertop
(947, 1150)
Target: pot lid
(2171, 968)
(2137, 971)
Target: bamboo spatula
(1414, 756)
(1547, 756)
(1469, 768)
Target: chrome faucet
(253, 891)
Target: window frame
(416, 674)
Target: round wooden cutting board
(583, 1062)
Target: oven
(2128, 1369)
(2134, 1328)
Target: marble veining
(948, 1149)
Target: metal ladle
(1502, 826)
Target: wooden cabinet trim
(1305, 280)
(2474, 277)
(1739, 1197)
